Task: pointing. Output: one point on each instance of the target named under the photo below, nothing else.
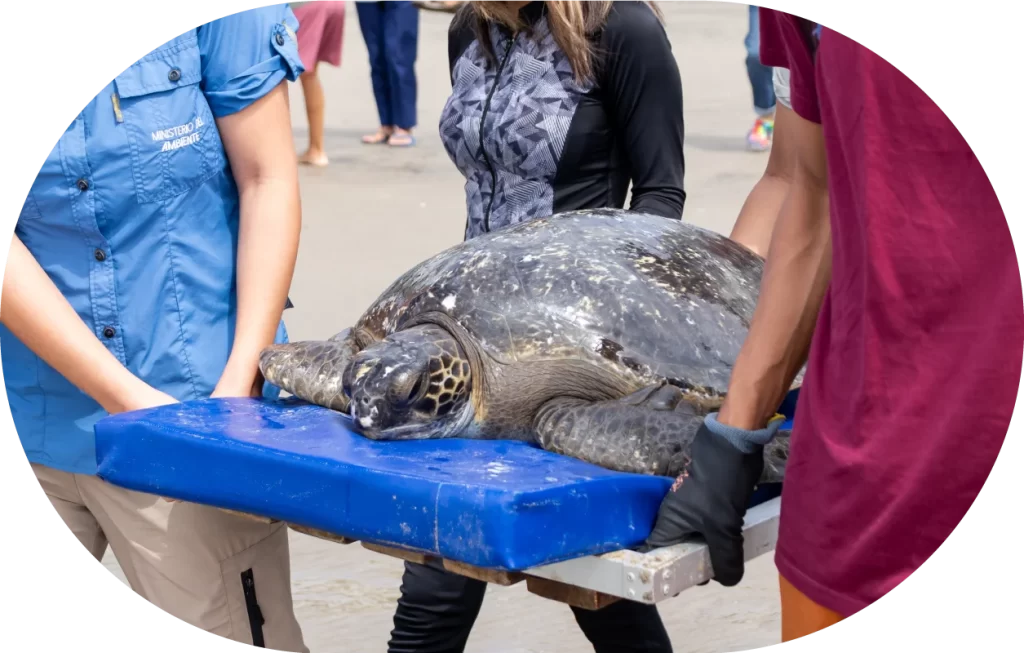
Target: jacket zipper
(252, 607)
(483, 150)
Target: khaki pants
(228, 575)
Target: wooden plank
(410, 556)
(323, 535)
(577, 597)
(246, 515)
(487, 575)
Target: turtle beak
(371, 411)
(366, 414)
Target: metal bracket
(664, 573)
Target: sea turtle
(605, 335)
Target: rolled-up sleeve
(784, 44)
(246, 55)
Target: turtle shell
(641, 296)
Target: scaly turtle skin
(604, 335)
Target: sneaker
(759, 138)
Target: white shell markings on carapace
(448, 302)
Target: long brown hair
(573, 24)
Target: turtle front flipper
(776, 453)
(312, 370)
(648, 432)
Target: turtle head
(413, 385)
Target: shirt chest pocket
(49, 192)
(172, 136)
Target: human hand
(139, 397)
(709, 500)
(234, 383)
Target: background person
(150, 264)
(320, 37)
(760, 136)
(391, 32)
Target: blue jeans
(391, 32)
(760, 75)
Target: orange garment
(800, 615)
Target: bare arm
(36, 312)
(258, 142)
(797, 273)
(753, 228)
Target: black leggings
(437, 610)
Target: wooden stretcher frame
(592, 582)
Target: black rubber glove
(710, 498)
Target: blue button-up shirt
(134, 216)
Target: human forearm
(754, 225)
(267, 247)
(36, 312)
(797, 273)
(728, 454)
(266, 172)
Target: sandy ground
(375, 211)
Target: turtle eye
(415, 390)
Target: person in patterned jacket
(559, 106)
(555, 106)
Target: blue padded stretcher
(500, 505)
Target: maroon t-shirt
(916, 359)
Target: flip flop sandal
(402, 141)
(379, 138)
(446, 7)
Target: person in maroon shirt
(892, 251)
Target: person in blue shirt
(150, 264)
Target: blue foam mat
(494, 504)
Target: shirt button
(100, 255)
(108, 332)
(83, 185)
(174, 75)
(279, 39)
